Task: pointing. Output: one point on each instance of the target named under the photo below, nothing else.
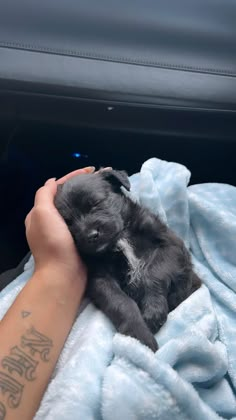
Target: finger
(50, 180)
(88, 170)
(45, 195)
(108, 168)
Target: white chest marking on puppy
(128, 251)
(134, 262)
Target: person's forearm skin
(32, 335)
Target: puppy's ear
(117, 178)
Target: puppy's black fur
(138, 269)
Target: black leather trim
(93, 79)
(117, 59)
(159, 66)
(185, 34)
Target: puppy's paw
(141, 333)
(154, 319)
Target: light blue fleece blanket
(104, 375)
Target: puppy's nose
(93, 235)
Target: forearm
(32, 335)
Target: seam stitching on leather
(95, 56)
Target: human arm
(34, 330)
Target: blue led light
(76, 155)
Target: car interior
(111, 84)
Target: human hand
(48, 236)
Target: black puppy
(138, 270)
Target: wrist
(59, 281)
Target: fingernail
(49, 180)
(90, 169)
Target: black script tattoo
(21, 363)
(2, 411)
(12, 388)
(37, 343)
